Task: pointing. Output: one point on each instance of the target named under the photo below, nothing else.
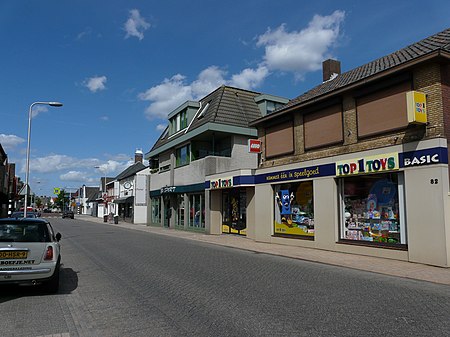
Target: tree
(61, 199)
(38, 202)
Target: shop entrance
(167, 212)
(234, 211)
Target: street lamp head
(56, 104)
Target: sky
(120, 67)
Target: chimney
(138, 156)
(331, 68)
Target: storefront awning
(124, 200)
(178, 189)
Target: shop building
(130, 191)
(358, 164)
(103, 199)
(203, 138)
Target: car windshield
(23, 232)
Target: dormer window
(179, 122)
(180, 118)
(268, 103)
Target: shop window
(202, 207)
(294, 209)
(196, 211)
(156, 210)
(372, 208)
(179, 221)
(234, 211)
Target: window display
(197, 210)
(294, 209)
(179, 221)
(234, 211)
(156, 211)
(371, 209)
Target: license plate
(14, 254)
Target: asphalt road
(121, 282)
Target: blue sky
(119, 67)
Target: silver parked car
(29, 253)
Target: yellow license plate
(14, 254)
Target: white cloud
(54, 163)
(61, 170)
(166, 96)
(104, 118)
(77, 177)
(113, 166)
(73, 176)
(208, 80)
(86, 32)
(297, 52)
(136, 25)
(301, 51)
(37, 110)
(250, 78)
(9, 142)
(174, 91)
(161, 127)
(96, 83)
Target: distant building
(86, 200)
(8, 185)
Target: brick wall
(445, 76)
(426, 78)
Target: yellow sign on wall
(416, 107)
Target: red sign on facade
(254, 146)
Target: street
(120, 282)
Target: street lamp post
(27, 168)
(103, 191)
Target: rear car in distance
(30, 253)
(68, 214)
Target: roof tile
(228, 105)
(439, 41)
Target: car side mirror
(58, 236)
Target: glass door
(234, 211)
(167, 212)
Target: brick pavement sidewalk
(384, 266)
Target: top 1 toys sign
(367, 165)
